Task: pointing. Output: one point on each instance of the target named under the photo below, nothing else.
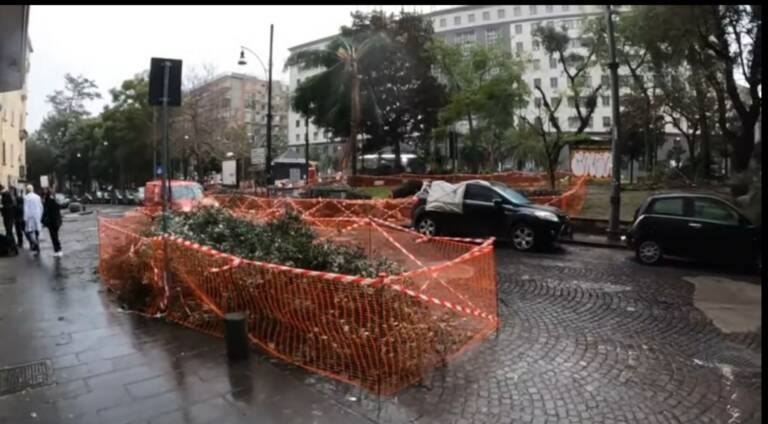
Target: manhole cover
(25, 376)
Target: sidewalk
(108, 366)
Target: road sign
(156, 79)
(43, 181)
(229, 172)
(258, 156)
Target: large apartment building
(15, 48)
(235, 99)
(512, 27)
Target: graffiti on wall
(592, 163)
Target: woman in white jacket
(33, 214)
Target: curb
(595, 244)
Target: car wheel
(427, 226)
(648, 252)
(523, 237)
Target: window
(491, 35)
(537, 82)
(552, 63)
(551, 24)
(606, 100)
(537, 102)
(298, 81)
(532, 9)
(591, 122)
(534, 26)
(548, 8)
(605, 80)
(314, 136)
(565, 8)
(555, 102)
(516, 11)
(553, 82)
(588, 81)
(573, 121)
(298, 137)
(501, 13)
(486, 16)
(535, 46)
(606, 122)
(442, 23)
(571, 102)
(298, 123)
(519, 47)
(457, 20)
(670, 206)
(536, 64)
(519, 29)
(714, 210)
(478, 193)
(471, 18)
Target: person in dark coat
(18, 215)
(52, 220)
(8, 211)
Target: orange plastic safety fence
(381, 333)
(512, 178)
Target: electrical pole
(615, 200)
(268, 165)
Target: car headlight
(549, 216)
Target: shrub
(286, 240)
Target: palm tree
(333, 97)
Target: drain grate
(27, 376)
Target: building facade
(15, 49)
(511, 27)
(238, 101)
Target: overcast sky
(110, 44)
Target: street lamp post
(242, 61)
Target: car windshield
(186, 192)
(510, 194)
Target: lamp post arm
(257, 58)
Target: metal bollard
(236, 336)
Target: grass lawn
(597, 205)
(377, 192)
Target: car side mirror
(497, 203)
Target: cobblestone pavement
(587, 335)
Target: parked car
(491, 209)
(140, 196)
(185, 195)
(694, 226)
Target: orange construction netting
(382, 334)
(397, 211)
(511, 178)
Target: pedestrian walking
(18, 217)
(8, 211)
(52, 220)
(33, 214)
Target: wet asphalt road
(588, 335)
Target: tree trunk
(398, 160)
(355, 118)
